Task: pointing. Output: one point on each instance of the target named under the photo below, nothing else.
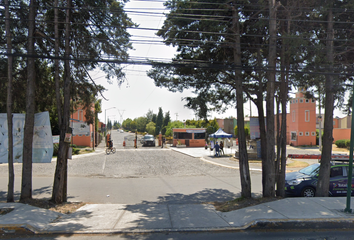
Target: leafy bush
(342, 143)
(76, 151)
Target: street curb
(301, 224)
(269, 225)
(18, 229)
(222, 165)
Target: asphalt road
(130, 176)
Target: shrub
(341, 143)
(76, 151)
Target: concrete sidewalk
(292, 213)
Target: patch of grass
(241, 202)
(297, 164)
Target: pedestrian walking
(221, 148)
(217, 149)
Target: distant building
(191, 137)
(83, 133)
(229, 125)
(301, 121)
(342, 128)
(220, 123)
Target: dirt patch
(4, 211)
(297, 164)
(337, 149)
(239, 203)
(65, 208)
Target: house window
(334, 123)
(293, 115)
(199, 135)
(313, 133)
(307, 115)
(301, 134)
(313, 100)
(301, 100)
(307, 133)
(307, 100)
(296, 100)
(293, 136)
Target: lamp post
(105, 122)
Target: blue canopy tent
(220, 134)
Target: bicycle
(110, 150)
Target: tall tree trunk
(284, 88)
(325, 167)
(281, 149)
(10, 189)
(269, 176)
(56, 61)
(260, 108)
(243, 157)
(278, 133)
(26, 187)
(59, 194)
(284, 98)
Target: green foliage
(171, 125)
(343, 143)
(159, 122)
(166, 121)
(141, 124)
(150, 128)
(133, 126)
(76, 151)
(126, 124)
(247, 131)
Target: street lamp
(105, 122)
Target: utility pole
(121, 112)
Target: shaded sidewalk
(294, 213)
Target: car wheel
(308, 192)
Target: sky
(138, 94)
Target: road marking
(222, 165)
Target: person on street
(217, 149)
(221, 148)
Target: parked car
(303, 182)
(148, 140)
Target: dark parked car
(303, 183)
(148, 140)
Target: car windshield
(148, 137)
(311, 170)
